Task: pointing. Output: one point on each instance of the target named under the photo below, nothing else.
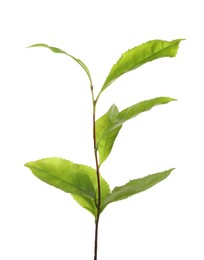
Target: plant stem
(99, 197)
(97, 174)
(96, 237)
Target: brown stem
(96, 237)
(97, 164)
(98, 176)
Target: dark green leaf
(135, 186)
(140, 55)
(109, 125)
(57, 50)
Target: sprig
(85, 184)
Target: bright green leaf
(57, 50)
(141, 107)
(109, 125)
(86, 203)
(135, 186)
(140, 55)
(105, 191)
(105, 138)
(77, 179)
(67, 176)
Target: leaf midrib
(62, 180)
(134, 67)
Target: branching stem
(97, 174)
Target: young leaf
(140, 55)
(57, 50)
(141, 107)
(105, 138)
(109, 125)
(135, 186)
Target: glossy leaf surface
(57, 50)
(140, 55)
(135, 186)
(109, 125)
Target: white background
(45, 110)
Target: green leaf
(135, 186)
(57, 50)
(88, 204)
(67, 176)
(105, 138)
(140, 55)
(105, 191)
(77, 179)
(141, 107)
(109, 125)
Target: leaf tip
(171, 170)
(177, 42)
(173, 99)
(27, 164)
(182, 39)
(37, 45)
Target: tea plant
(85, 184)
